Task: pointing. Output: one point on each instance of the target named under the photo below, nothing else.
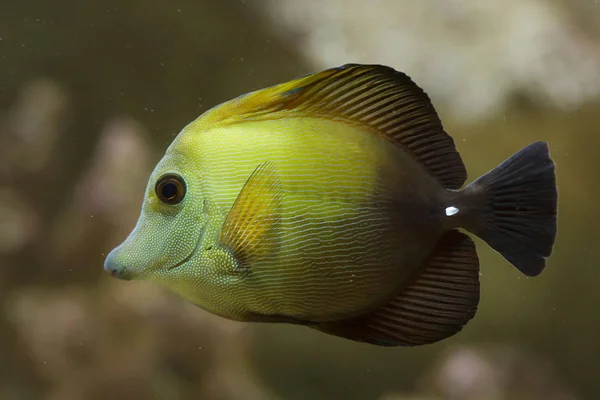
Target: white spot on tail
(450, 211)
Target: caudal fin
(516, 208)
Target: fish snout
(115, 268)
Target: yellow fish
(334, 201)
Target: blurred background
(91, 93)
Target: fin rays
(251, 228)
(442, 298)
(379, 99)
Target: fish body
(333, 201)
(335, 219)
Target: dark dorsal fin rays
(251, 229)
(441, 299)
(384, 101)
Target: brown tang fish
(334, 201)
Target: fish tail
(513, 208)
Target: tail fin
(516, 208)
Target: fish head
(170, 226)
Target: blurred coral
(473, 57)
(130, 341)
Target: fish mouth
(192, 253)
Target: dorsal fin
(251, 229)
(384, 101)
(440, 300)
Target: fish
(336, 201)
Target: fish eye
(170, 189)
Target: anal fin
(439, 301)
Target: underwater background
(92, 93)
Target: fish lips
(113, 267)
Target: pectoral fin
(436, 305)
(251, 229)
